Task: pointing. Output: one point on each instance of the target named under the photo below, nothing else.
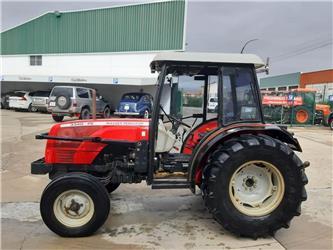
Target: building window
(282, 88)
(35, 60)
(271, 89)
(293, 87)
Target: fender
(209, 143)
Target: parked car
(75, 101)
(40, 100)
(21, 100)
(135, 104)
(5, 99)
(212, 104)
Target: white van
(212, 105)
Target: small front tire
(75, 205)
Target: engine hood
(60, 151)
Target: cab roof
(199, 57)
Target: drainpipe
(94, 104)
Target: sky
(296, 36)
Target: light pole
(247, 44)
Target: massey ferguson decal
(106, 123)
(282, 100)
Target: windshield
(19, 94)
(239, 101)
(57, 91)
(131, 97)
(40, 93)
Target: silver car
(75, 101)
(40, 100)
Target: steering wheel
(175, 121)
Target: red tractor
(250, 178)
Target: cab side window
(82, 93)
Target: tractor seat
(165, 138)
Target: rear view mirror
(197, 115)
(200, 78)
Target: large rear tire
(302, 115)
(254, 185)
(75, 205)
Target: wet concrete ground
(142, 218)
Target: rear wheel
(302, 115)
(85, 114)
(107, 112)
(33, 109)
(254, 185)
(75, 205)
(58, 118)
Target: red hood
(132, 130)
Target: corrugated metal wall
(143, 27)
(280, 80)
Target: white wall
(97, 68)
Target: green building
(281, 82)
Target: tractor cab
(180, 119)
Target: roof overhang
(196, 57)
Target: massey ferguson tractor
(250, 177)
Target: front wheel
(254, 185)
(75, 205)
(107, 112)
(58, 118)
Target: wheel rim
(302, 116)
(73, 208)
(256, 188)
(146, 114)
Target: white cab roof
(207, 57)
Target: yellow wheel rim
(73, 208)
(256, 188)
